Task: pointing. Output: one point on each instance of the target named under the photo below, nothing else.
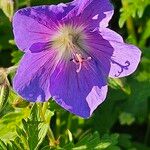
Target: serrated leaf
(8, 124)
(3, 145)
(90, 141)
(34, 128)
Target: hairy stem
(49, 132)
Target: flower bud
(4, 88)
(8, 8)
(116, 83)
(3, 76)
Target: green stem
(58, 124)
(49, 132)
(69, 121)
(16, 4)
(144, 36)
(44, 108)
(129, 23)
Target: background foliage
(122, 122)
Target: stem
(129, 23)
(16, 4)
(144, 36)
(44, 108)
(69, 121)
(49, 132)
(58, 124)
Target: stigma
(79, 60)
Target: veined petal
(114, 56)
(32, 79)
(94, 13)
(110, 35)
(124, 60)
(37, 24)
(100, 50)
(125, 57)
(79, 93)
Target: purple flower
(70, 53)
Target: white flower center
(69, 38)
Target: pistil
(78, 60)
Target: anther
(78, 60)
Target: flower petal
(39, 47)
(125, 57)
(33, 76)
(100, 50)
(37, 24)
(114, 56)
(95, 13)
(79, 93)
(110, 35)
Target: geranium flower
(70, 53)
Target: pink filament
(79, 61)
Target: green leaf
(34, 130)
(132, 9)
(125, 141)
(31, 128)
(111, 139)
(8, 124)
(126, 118)
(94, 142)
(89, 141)
(3, 146)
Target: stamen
(78, 60)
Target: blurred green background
(122, 122)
